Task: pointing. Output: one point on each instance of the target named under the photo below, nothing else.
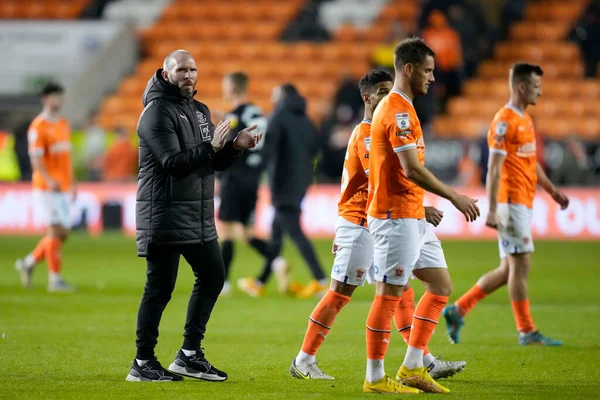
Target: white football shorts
(514, 233)
(53, 207)
(403, 245)
(353, 263)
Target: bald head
(174, 57)
(179, 69)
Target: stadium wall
(97, 204)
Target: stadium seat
(536, 31)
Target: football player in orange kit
(353, 246)
(405, 244)
(49, 138)
(513, 172)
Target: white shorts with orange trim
(353, 262)
(403, 245)
(53, 207)
(514, 233)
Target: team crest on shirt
(501, 128)
(398, 271)
(403, 121)
(201, 117)
(368, 144)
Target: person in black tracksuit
(180, 149)
(289, 151)
(239, 184)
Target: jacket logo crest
(201, 117)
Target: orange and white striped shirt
(52, 141)
(353, 202)
(512, 134)
(395, 128)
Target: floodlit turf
(80, 346)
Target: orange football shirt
(395, 128)
(512, 134)
(353, 201)
(52, 141)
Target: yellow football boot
(387, 385)
(251, 287)
(419, 378)
(314, 288)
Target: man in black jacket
(289, 151)
(179, 151)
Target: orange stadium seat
(304, 52)
(536, 31)
(276, 51)
(589, 89)
(554, 10)
(464, 128)
(400, 12)
(378, 33)
(349, 33)
(588, 128)
(134, 86)
(486, 88)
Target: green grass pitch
(80, 346)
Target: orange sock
(404, 315)
(322, 319)
(522, 316)
(425, 319)
(53, 254)
(379, 326)
(39, 253)
(470, 299)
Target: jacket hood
(158, 88)
(294, 103)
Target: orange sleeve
(36, 141)
(497, 135)
(401, 131)
(362, 150)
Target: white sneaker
(308, 371)
(60, 286)
(226, 291)
(445, 369)
(25, 271)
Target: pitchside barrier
(101, 206)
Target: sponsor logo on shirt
(526, 150)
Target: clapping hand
(220, 135)
(246, 139)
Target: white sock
(414, 358)
(29, 260)
(375, 371)
(188, 352)
(141, 363)
(304, 358)
(278, 264)
(428, 359)
(54, 277)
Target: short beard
(184, 93)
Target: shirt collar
(515, 109)
(401, 93)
